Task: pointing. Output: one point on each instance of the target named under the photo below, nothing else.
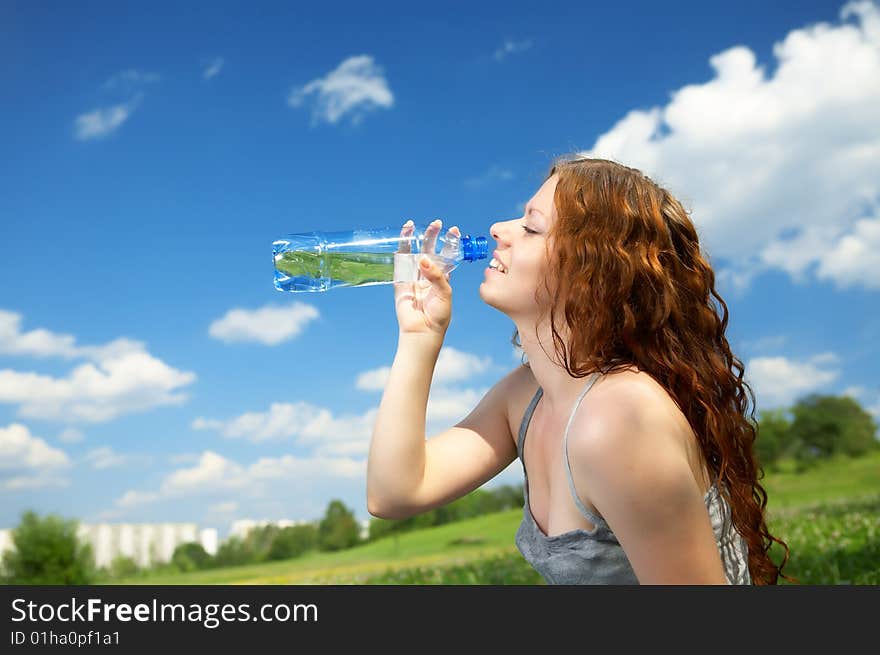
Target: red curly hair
(623, 244)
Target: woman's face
(521, 249)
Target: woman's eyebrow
(533, 209)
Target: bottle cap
(474, 248)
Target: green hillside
(839, 496)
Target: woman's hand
(425, 306)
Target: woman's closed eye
(528, 231)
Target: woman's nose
(495, 231)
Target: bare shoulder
(622, 408)
(631, 414)
(631, 391)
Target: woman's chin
(488, 298)
(485, 295)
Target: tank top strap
(524, 425)
(592, 517)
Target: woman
(637, 456)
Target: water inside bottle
(305, 270)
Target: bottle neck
(473, 248)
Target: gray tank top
(581, 556)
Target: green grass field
(829, 516)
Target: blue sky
(149, 371)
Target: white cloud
(38, 343)
(211, 471)
(71, 435)
(285, 420)
(269, 325)
(494, 174)
(133, 498)
(780, 382)
(356, 86)
(19, 449)
(302, 468)
(103, 121)
(330, 435)
(849, 260)
(213, 68)
(105, 516)
(223, 508)
(214, 473)
(105, 458)
(129, 79)
(855, 258)
(43, 343)
(447, 406)
(373, 380)
(774, 342)
(122, 377)
(96, 394)
(779, 171)
(854, 391)
(28, 462)
(509, 47)
(453, 365)
(183, 458)
(38, 481)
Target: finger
(404, 245)
(434, 274)
(453, 238)
(429, 244)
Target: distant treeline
(815, 428)
(336, 531)
(476, 503)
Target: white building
(208, 539)
(5, 541)
(145, 543)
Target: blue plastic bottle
(318, 261)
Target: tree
(775, 439)
(476, 503)
(190, 556)
(293, 541)
(258, 541)
(232, 552)
(338, 529)
(123, 567)
(510, 496)
(47, 552)
(830, 425)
